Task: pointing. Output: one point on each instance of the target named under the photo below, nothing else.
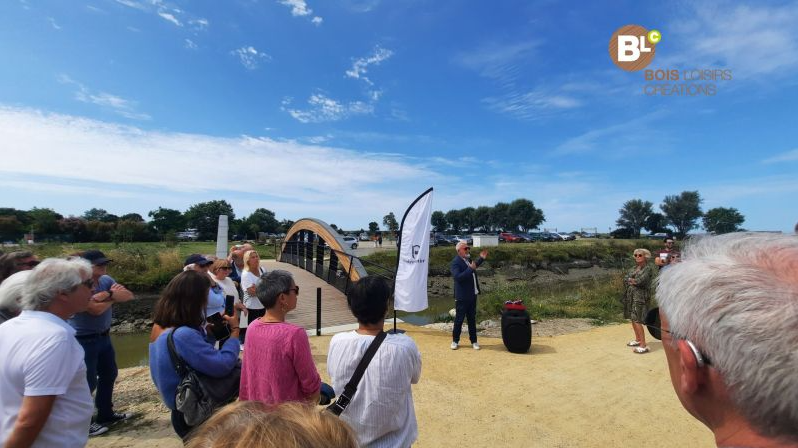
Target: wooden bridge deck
(334, 311)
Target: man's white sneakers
(475, 346)
(453, 346)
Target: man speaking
(466, 288)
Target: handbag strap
(351, 387)
(177, 361)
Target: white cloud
(190, 44)
(789, 156)
(323, 109)
(199, 24)
(169, 18)
(499, 60)
(360, 66)
(53, 24)
(142, 159)
(117, 104)
(133, 4)
(750, 40)
(532, 105)
(250, 57)
(616, 139)
(298, 7)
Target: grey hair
(52, 276)
(736, 297)
(459, 245)
(272, 285)
(11, 291)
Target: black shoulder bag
(199, 395)
(351, 387)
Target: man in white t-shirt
(44, 397)
(382, 411)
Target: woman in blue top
(181, 309)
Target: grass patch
(596, 299)
(141, 266)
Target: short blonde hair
(218, 264)
(247, 256)
(252, 424)
(645, 253)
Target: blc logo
(632, 47)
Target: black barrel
(516, 330)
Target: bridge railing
(333, 266)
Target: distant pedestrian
(637, 296)
(379, 239)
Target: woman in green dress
(637, 297)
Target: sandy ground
(582, 389)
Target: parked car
(589, 235)
(566, 236)
(512, 238)
(350, 241)
(440, 240)
(464, 238)
(364, 237)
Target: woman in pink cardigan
(278, 365)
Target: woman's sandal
(641, 350)
(632, 344)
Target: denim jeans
(465, 310)
(101, 372)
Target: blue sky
(347, 110)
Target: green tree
(656, 223)
(205, 217)
(135, 217)
(167, 220)
(500, 216)
(634, 214)
(723, 220)
(11, 228)
(482, 217)
(389, 221)
(682, 211)
(44, 220)
(76, 228)
(438, 219)
(285, 225)
(374, 227)
(95, 214)
(455, 220)
(525, 215)
(468, 218)
(264, 219)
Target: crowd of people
(726, 317)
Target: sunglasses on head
(654, 325)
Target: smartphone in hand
(229, 305)
(218, 326)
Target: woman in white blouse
(382, 411)
(250, 278)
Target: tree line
(680, 214)
(97, 225)
(520, 214)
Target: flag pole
(399, 251)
